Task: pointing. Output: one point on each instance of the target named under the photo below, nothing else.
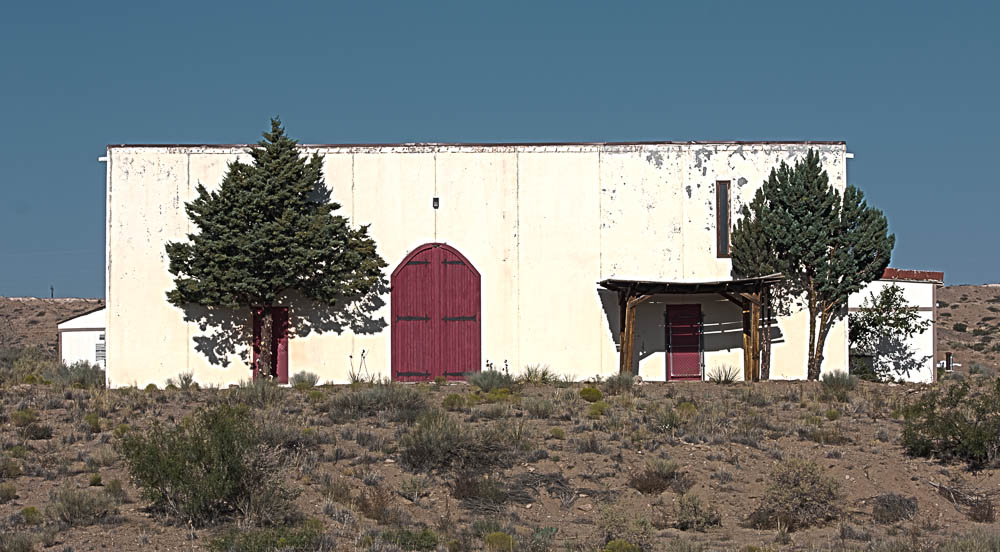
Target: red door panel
(460, 316)
(279, 341)
(683, 342)
(435, 312)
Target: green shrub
(955, 425)
(591, 394)
(11, 541)
(116, 492)
(658, 476)
(304, 380)
(798, 496)
(833, 414)
(95, 480)
(499, 542)
(838, 385)
(453, 402)
(79, 374)
(690, 513)
(26, 365)
(960, 327)
(24, 417)
(9, 468)
(620, 545)
(406, 539)
(7, 492)
(402, 402)
(597, 409)
(209, 467)
(78, 508)
(31, 516)
(92, 422)
(490, 380)
(151, 387)
(305, 538)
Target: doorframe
(701, 341)
(281, 371)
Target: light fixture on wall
(436, 203)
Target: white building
(82, 338)
(919, 289)
(512, 241)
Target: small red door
(683, 342)
(435, 315)
(279, 341)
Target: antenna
(52, 292)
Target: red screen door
(435, 315)
(279, 341)
(683, 342)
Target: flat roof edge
(507, 144)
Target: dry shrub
(403, 403)
(692, 514)
(379, 504)
(78, 508)
(658, 476)
(892, 508)
(438, 441)
(798, 496)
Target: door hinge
(459, 319)
(412, 318)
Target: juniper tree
(826, 245)
(269, 229)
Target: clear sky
(911, 86)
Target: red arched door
(436, 315)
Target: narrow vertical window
(722, 218)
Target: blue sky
(910, 86)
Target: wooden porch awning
(752, 295)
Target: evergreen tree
(827, 246)
(880, 330)
(270, 229)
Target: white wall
(542, 224)
(918, 294)
(79, 337)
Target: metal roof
(652, 287)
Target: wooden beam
(628, 339)
(754, 341)
(734, 298)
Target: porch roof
(653, 287)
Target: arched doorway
(436, 315)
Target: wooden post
(765, 357)
(629, 336)
(755, 341)
(747, 353)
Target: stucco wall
(542, 224)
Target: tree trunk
(824, 330)
(813, 366)
(265, 360)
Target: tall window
(722, 218)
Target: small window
(722, 218)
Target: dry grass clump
(402, 403)
(77, 508)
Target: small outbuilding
(919, 288)
(81, 338)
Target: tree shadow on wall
(226, 332)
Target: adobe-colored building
(497, 256)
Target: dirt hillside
(969, 326)
(31, 321)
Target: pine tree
(270, 229)
(827, 246)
